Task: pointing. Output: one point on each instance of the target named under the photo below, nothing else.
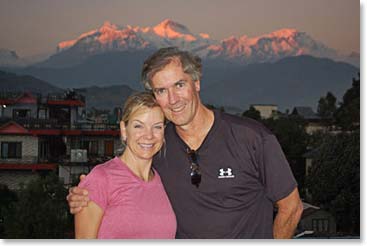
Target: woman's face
(144, 132)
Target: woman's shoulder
(101, 171)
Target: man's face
(176, 93)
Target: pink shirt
(132, 207)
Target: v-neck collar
(208, 138)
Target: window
(90, 145)
(42, 114)
(11, 150)
(21, 113)
(43, 149)
(74, 143)
(93, 150)
(108, 148)
(320, 225)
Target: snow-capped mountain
(281, 70)
(270, 47)
(9, 58)
(244, 49)
(107, 38)
(110, 37)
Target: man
(223, 174)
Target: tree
(8, 198)
(41, 211)
(334, 179)
(348, 114)
(327, 105)
(211, 106)
(252, 113)
(291, 134)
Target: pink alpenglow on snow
(263, 48)
(173, 30)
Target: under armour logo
(225, 173)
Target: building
(45, 133)
(316, 222)
(266, 110)
(314, 123)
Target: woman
(127, 198)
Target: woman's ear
(123, 131)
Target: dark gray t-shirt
(244, 172)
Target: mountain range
(286, 67)
(289, 82)
(244, 50)
(10, 58)
(107, 97)
(10, 82)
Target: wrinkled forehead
(159, 65)
(168, 75)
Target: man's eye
(159, 91)
(180, 84)
(138, 126)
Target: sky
(33, 27)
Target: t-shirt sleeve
(96, 184)
(279, 180)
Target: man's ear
(197, 85)
(123, 130)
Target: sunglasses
(195, 170)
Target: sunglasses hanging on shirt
(195, 169)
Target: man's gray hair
(191, 64)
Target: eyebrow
(159, 122)
(179, 81)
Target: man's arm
(77, 198)
(87, 221)
(289, 213)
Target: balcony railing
(14, 95)
(68, 95)
(32, 123)
(65, 96)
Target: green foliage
(211, 106)
(327, 106)
(8, 198)
(291, 135)
(41, 211)
(348, 114)
(334, 179)
(252, 113)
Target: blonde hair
(137, 101)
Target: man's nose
(172, 97)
